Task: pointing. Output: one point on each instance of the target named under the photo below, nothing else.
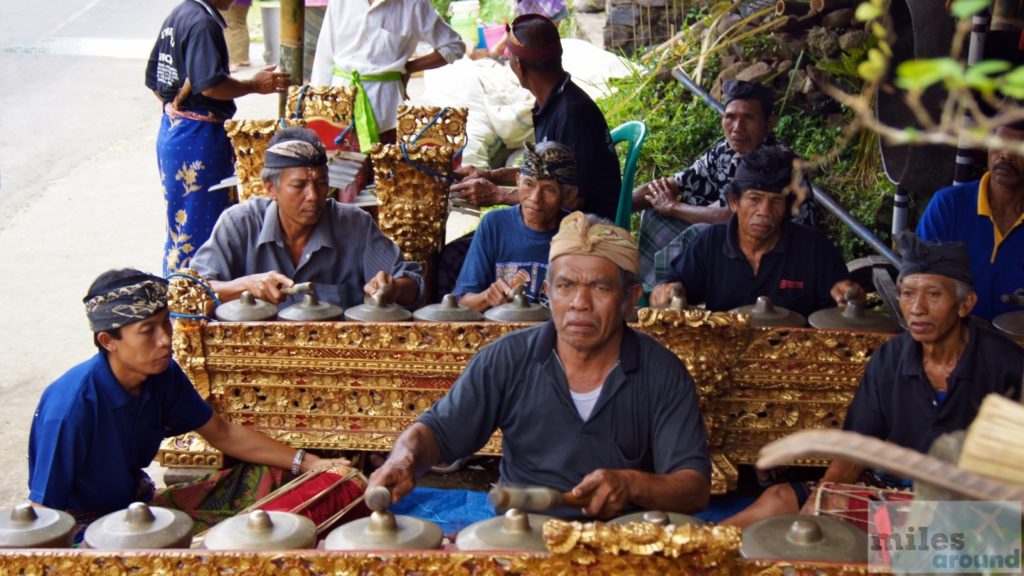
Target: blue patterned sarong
(193, 153)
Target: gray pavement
(79, 188)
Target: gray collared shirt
(344, 252)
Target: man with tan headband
(564, 113)
(510, 247)
(584, 403)
(297, 234)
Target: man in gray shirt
(265, 245)
(585, 404)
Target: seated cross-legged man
(297, 234)
(925, 382)
(678, 207)
(98, 425)
(759, 251)
(584, 403)
(510, 248)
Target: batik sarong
(194, 154)
(216, 497)
(207, 500)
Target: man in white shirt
(368, 44)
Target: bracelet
(300, 455)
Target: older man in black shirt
(923, 383)
(759, 252)
(584, 402)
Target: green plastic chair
(634, 133)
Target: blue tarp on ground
(452, 510)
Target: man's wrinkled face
(144, 347)
(930, 307)
(1007, 168)
(301, 195)
(587, 300)
(745, 125)
(539, 201)
(759, 214)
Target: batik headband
(125, 301)
(549, 161)
(295, 148)
(577, 235)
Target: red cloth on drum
(328, 504)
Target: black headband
(945, 259)
(772, 176)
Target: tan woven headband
(577, 236)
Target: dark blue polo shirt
(798, 273)
(646, 417)
(571, 118)
(191, 45)
(896, 402)
(90, 439)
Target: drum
(327, 496)
(850, 502)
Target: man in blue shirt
(987, 215)
(584, 403)
(759, 252)
(98, 425)
(510, 248)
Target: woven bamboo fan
(995, 440)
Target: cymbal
(803, 537)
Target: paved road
(79, 191)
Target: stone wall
(632, 24)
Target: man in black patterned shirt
(696, 194)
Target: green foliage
(966, 8)
(442, 8)
(807, 135)
(679, 127)
(496, 11)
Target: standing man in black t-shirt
(563, 113)
(188, 72)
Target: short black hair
(536, 33)
(106, 282)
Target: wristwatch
(300, 455)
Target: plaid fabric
(220, 495)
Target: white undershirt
(585, 401)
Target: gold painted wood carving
(432, 125)
(40, 562)
(412, 188)
(249, 138)
(332, 104)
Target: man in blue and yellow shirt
(987, 215)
